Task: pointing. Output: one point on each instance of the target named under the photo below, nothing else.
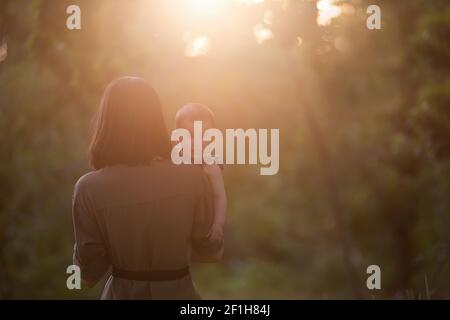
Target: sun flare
(198, 46)
(327, 11)
(262, 33)
(204, 7)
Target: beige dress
(141, 219)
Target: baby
(185, 118)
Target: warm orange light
(249, 2)
(327, 11)
(262, 33)
(204, 7)
(268, 17)
(198, 46)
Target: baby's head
(191, 112)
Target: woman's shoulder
(164, 172)
(83, 183)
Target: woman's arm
(90, 253)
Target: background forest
(364, 118)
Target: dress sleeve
(90, 253)
(203, 249)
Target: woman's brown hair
(130, 127)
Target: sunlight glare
(250, 2)
(205, 7)
(327, 11)
(199, 46)
(262, 33)
(268, 17)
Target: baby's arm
(214, 174)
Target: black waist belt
(154, 275)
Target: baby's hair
(192, 112)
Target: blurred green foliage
(365, 139)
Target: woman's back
(141, 219)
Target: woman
(138, 214)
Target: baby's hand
(215, 233)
